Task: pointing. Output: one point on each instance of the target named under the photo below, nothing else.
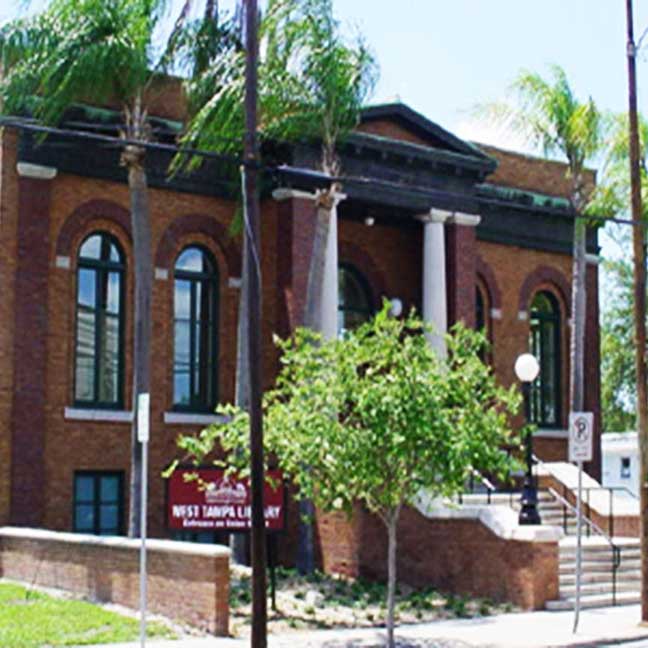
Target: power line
(308, 174)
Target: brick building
(459, 232)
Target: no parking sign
(581, 435)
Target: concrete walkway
(597, 628)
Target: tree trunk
(141, 231)
(639, 249)
(579, 298)
(392, 524)
(238, 541)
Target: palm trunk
(579, 298)
(242, 396)
(141, 229)
(639, 250)
(392, 524)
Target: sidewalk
(612, 625)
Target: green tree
(103, 51)
(547, 113)
(376, 418)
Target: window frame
(364, 285)
(625, 468)
(96, 476)
(554, 319)
(212, 281)
(101, 268)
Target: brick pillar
(462, 267)
(31, 322)
(593, 363)
(295, 236)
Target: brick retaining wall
(187, 582)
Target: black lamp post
(527, 369)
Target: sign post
(143, 424)
(581, 432)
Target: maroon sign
(216, 502)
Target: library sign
(219, 502)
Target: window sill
(550, 433)
(105, 415)
(187, 418)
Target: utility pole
(639, 249)
(251, 216)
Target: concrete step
(599, 567)
(595, 600)
(600, 588)
(631, 575)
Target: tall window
(99, 502)
(99, 323)
(545, 346)
(480, 311)
(195, 331)
(354, 301)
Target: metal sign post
(143, 423)
(581, 429)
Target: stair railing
(591, 526)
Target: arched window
(98, 371)
(354, 301)
(195, 351)
(544, 406)
(480, 311)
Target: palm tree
(102, 51)
(549, 114)
(313, 84)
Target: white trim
(107, 415)
(283, 193)
(117, 542)
(62, 262)
(523, 315)
(434, 216)
(186, 418)
(235, 282)
(594, 259)
(162, 274)
(496, 313)
(469, 220)
(547, 433)
(36, 171)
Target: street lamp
(527, 369)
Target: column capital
(36, 171)
(434, 216)
(288, 193)
(461, 218)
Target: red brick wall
(8, 257)
(390, 129)
(453, 555)
(187, 583)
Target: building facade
(457, 231)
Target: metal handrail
(616, 550)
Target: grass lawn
(32, 619)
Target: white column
(435, 300)
(329, 317)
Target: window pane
(91, 248)
(182, 306)
(109, 359)
(354, 303)
(84, 518)
(108, 518)
(115, 255)
(113, 293)
(109, 489)
(86, 288)
(181, 340)
(85, 355)
(83, 489)
(181, 388)
(191, 260)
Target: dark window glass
(625, 467)
(98, 503)
(545, 346)
(480, 316)
(195, 331)
(354, 301)
(99, 323)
